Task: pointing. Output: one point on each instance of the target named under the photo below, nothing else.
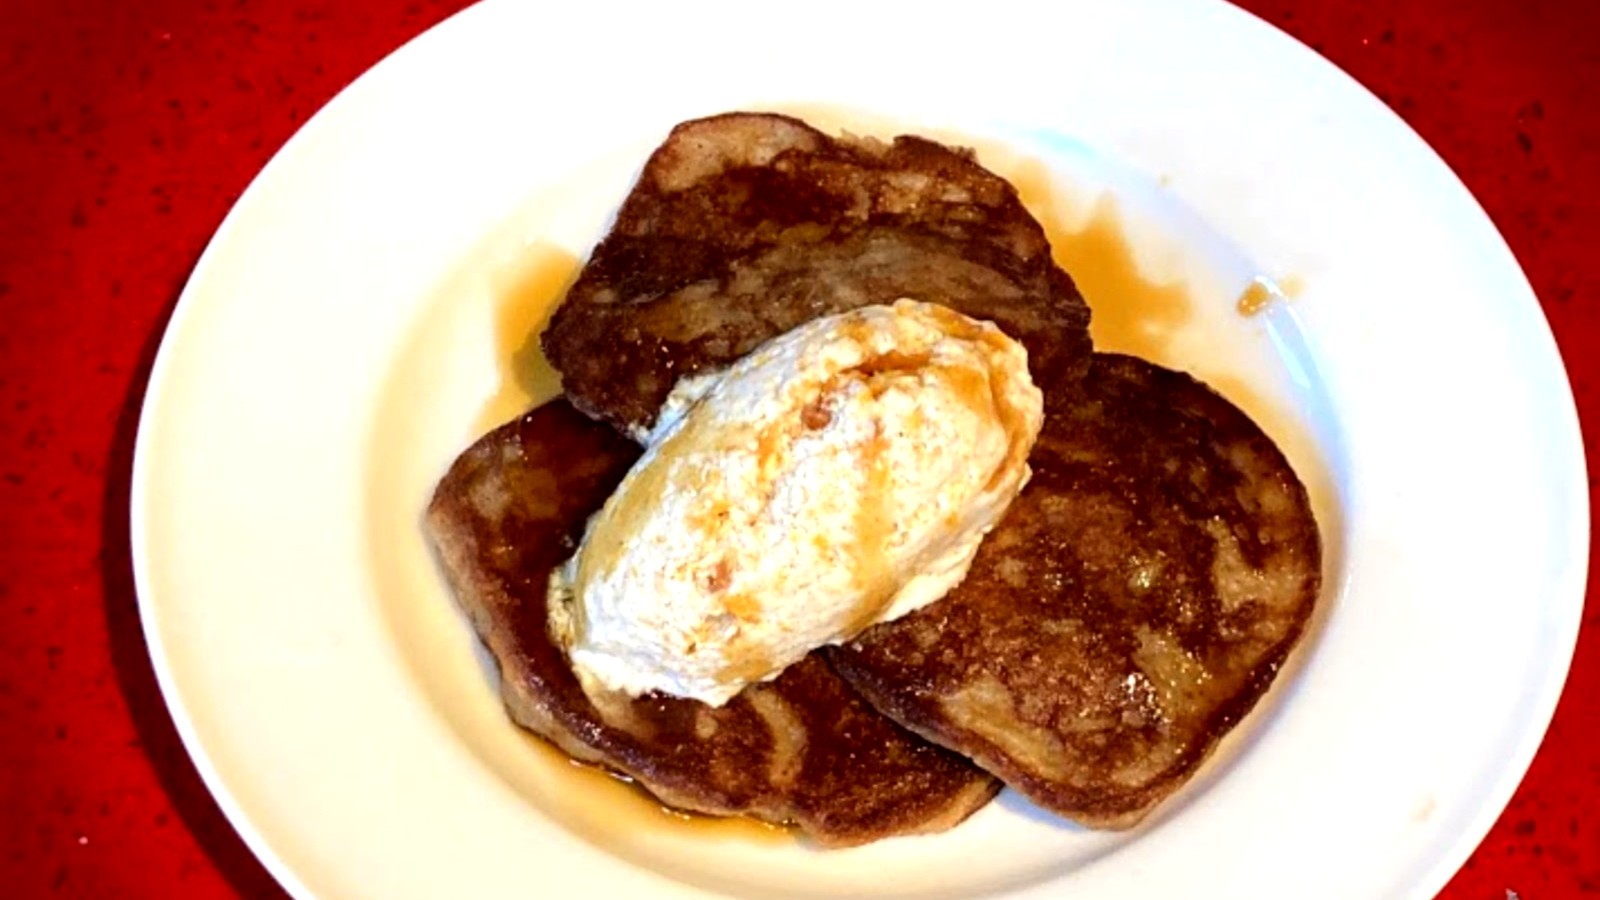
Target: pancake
(744, 225)
(1134, 603)
(802, 749)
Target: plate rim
(1447, 863)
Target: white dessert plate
(357, 319)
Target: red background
(128, 129)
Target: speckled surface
(128, 129)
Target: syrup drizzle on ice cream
(841, 475)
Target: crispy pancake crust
(744, 225)
(803, 748)
(1135, 602)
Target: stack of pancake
(1134, 603)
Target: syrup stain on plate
(526, 294)
(1130, 312)
(1262, 292)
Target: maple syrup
(526, 294)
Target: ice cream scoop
(840, 475)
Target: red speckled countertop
(128, 129)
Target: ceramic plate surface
(360, 316)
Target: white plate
(347, 331)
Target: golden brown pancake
(803, 748)
(1134, 603)
(744, 225)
